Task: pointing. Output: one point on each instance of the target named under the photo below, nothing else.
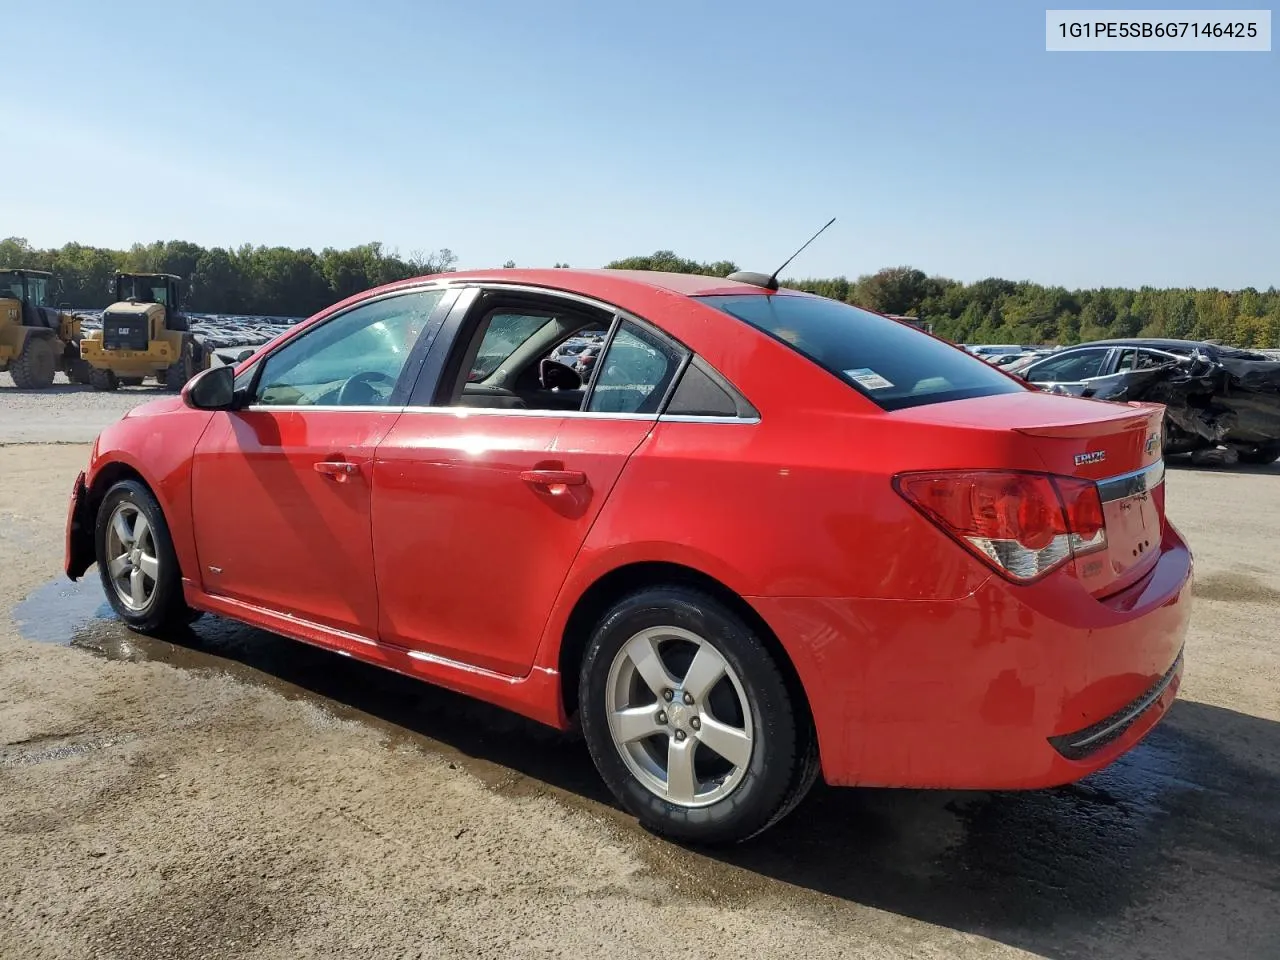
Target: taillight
(1023, 524)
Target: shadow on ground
(1173, 851)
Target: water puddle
(509, 754)
(55, 612)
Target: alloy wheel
(679, 716)
(133, 564)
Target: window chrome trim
(320, 408)
(1131, 484)
(694, 418)
(461, 412)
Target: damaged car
(1222, 403)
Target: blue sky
(941, 134)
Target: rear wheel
(689, 720)
(136, 560)
(34, 369)
(79, 371)
(103, 379)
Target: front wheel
(136, 560)
(688, 718)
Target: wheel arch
(617, 583)
(105, 476)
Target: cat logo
(1095, 456)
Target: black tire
(36, 365)
(79, 371)
(782, 763)
(165, 608)
(103, 379)
(177, 374)
(1261, 455)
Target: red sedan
(771, 536)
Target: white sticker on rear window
(867, 378)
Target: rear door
(479, 509)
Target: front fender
(156, 447)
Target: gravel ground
(65, 412)
(229, 793)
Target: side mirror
(555, 375)
(211, 389)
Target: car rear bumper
(1012, 687)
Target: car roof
(1156, 342)
(598, 282)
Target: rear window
(893, 364)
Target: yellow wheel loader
(36, 341)
(144, 334)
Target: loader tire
(103, 379)
(177, 374)
(80, 372)
(34, 369)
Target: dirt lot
(233, 794)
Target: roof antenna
(771, 282)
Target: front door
(281, 488)
(480, 510)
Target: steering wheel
(358, 389)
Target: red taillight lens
(1023, 524)
(1083, 507)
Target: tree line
(1008, 311)
(263, 281)
(281, 281)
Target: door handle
(338, 470)
(556, 481)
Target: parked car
(775, 537)
(988, 350)
(1214, 395)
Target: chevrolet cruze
(768, 537)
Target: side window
(701, 393)
(355, 359)
(1077, 365)
(634, 373)
(1150, 358)
(1127, 361)
(37, 287)
(503, 335)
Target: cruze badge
(1096, 456)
